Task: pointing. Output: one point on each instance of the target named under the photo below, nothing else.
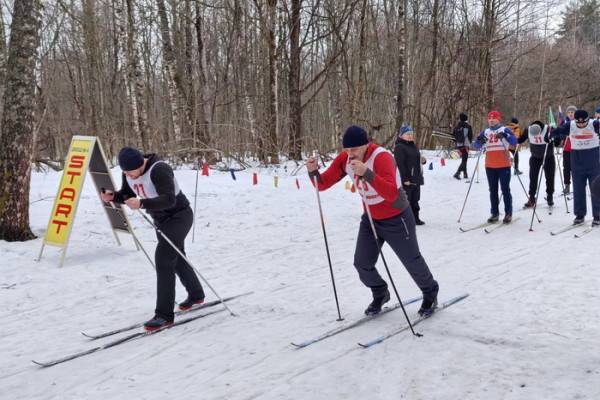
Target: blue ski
(335, 331)
(415, 322)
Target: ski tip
(452, 301)
(40, 364)
(87, 335)
(363, 345)
(298, 345)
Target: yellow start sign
(69, 191)
(85, 155)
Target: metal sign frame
(85, 155)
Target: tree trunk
(92, 72)
(171, 69)
(401, 64)
(489, 18)
(136, 82)
(2, 59)
(295, 112)
(271, 88)
(204, 109)
(17, 138)
(360, 79)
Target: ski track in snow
(528, 330)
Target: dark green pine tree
(581, 23)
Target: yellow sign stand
(85, 155)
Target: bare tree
(17, 137)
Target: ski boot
(189, 303)
(378, 301)
(493, 219)
(156, 324)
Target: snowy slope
(528, 330)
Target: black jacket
(166, 204)
(537, 150)
(408, 160)
(461, 132)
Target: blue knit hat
(598, 110)
(130, 159)
(404, 129)
(354, 136)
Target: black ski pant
(413, 192)
(400, 234)
(169, 263)
(464, 157)
(567, 167)
(535, 164)
(500, 176)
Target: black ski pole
(470, 184)
(337, 304)
(186, 260)
(364, 199)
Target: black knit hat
(130, 159)
(514, 120)
(581, 116)
(463, 117)
(355, 136)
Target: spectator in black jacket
(463, 136)
(541, 147)
(409, 161)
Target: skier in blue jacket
(584, 134)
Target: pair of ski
(138, 335)
(367, 344)
(488, 227)
(588, 229)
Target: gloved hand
(500, 135)
(482, 139)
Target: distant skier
(409, 161)
(538, 135)
(463, 136)
(496, 139)
(583, 133)
(373, 170)
(154, 183)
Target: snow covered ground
(529, 329)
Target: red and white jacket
(381, 183)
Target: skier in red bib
(374, 172)
(150, 184)
(496, 140)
